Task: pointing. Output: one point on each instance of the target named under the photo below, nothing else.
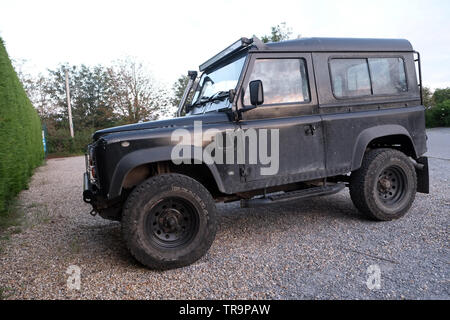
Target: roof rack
(314, 45)
(235, 47)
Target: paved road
(439, 143)
(313, 249)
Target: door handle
(310, 129)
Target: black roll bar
(419, 65)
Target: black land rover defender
(344, 112)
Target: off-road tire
(138, 229)
(370, 192)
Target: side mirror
(256, 92)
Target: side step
(292, 195)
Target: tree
(279, 33)
(93, 107)
(437, 113)
(441, 114)
(135, 95)
(101, 96)
(178, 89)
(36, 87)
(440, 95)
(427, 97)
(89, 92)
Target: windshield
(214, 85)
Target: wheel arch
(394, 136)
(153, 158)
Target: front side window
(284, 81)
(367, 76)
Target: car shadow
(106, 239)
(337, 206)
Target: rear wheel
(169, 221)
(384, 187)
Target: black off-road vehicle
(338, 112)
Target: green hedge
(20, 133)
(59, 141)
(438, 115)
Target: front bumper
(108, 209)
(88, 187)
(88, 194)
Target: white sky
(174, 36)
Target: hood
(213, 117)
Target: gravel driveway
(312, 249)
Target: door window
(284, 81)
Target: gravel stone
(311, 249)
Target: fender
(367, 135)
(140, 157)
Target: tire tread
(129, 220)
(360, 192)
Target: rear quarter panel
(350, 122)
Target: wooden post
(68, 104)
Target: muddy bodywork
(325, 137)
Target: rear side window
(388, 75)
(284, 81)
(364, 77)
(350, 77)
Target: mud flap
(423, 179)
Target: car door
(290, 107)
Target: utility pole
(68, 104)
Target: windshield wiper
(200, 101)
(218, 96)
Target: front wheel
(169, 221)
(385, 186)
